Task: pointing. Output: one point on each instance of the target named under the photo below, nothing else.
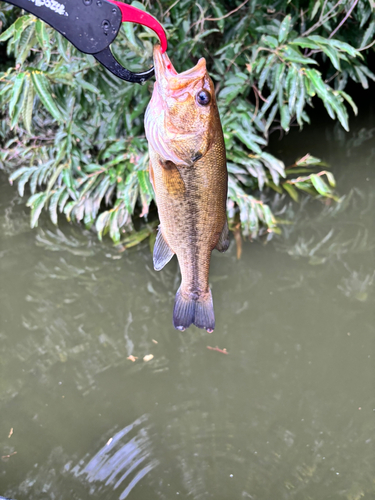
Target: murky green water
(288, 414)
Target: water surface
(289, 413)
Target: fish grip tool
(93, 25)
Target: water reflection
(358, 285)
(121, 463)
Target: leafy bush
(73, 133)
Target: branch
(218, 18)
(345, 18)
(228, 14)
(367, 46)
(171, 7)
(322, 20)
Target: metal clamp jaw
(92, 25)
(132, 15)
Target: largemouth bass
(189, 175)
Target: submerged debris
(223, 351)
(5, 457)
(132, 358)
(148, 357)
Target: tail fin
(199, 312)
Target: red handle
(131, 14)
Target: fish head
(182, 117)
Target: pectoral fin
(172, 179)
(162, 252)
(223, 243)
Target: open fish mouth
(166, 73)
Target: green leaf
(55, 176)
(101, 223)
(53, 204)
(285, 117)
(329, 109)
(300, 104)
(293, 55)
(87, 85)
(291, 190)
(43, 39)
(20, 26)
(33, 181)
(230, 92)
(67, 177)
(275, 166)
(331, 178)
(27, 110)
(271, 116)
(367, 72)
(41, 86)
(268, 216)
(320, 185)
(345, 47)
(114, 230)
(17, 174)
(284, 28)
(267, 104)
(144, 183)
(305, 43)
(293, 89)
(368, 35)
(348, 98)
(315, 9)
(333, 56)
(27, 40)
(219, 13)
(308, 160)
(8, 33)
(265, 71)
(36, 203)
(273, 186)
(316, 80)
(341, 112)
(16, 92)
(69, 207)
(63, 199)
(18, 109)
(270, 41)
(24, 179)
(245, 137)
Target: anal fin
(223, 243)
(162, 252)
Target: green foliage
(73, 133)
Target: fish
(188, 172)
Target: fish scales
(189, 175)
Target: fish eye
(203, 97)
